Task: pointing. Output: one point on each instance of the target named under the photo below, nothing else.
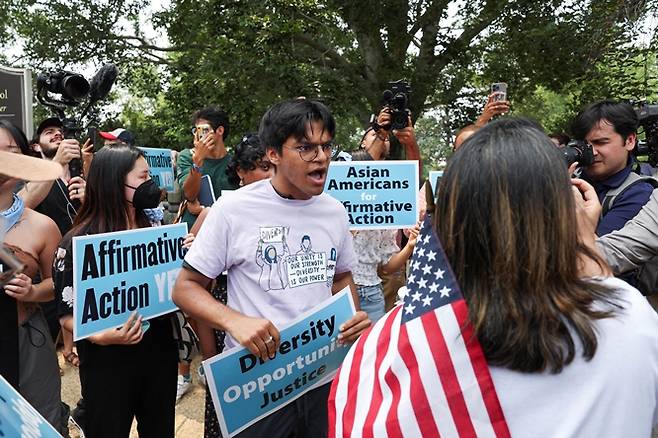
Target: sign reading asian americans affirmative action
(376, 194)
(245, 388)
(115, 274)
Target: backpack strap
(631, 179)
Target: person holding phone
(208, 157)
(127, 372)
(497, 104)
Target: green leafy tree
(247, 54)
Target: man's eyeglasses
(309, 152)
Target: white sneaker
(183, 387)
(202, 375)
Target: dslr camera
(578, 150)
(396, 98)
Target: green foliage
(244, 55)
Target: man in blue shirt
(610, 127)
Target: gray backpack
(647, 274)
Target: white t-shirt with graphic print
(281, 254)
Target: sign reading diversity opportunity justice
(376, 194)
(245, 388)
(18, 418)
(115, 274)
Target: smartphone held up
(499, 91)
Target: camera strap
(631, 179)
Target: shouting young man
(254, 234)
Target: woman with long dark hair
(127, 372)
(32, 238)
(571, 350)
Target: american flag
(419, 372)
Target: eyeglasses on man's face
(309, 152)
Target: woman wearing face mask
(131, 371)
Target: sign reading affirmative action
(245, 389)
(376, 194)
(115, 274)
(161, 167)
(18, 418)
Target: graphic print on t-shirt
(271, 256)
(280, 269)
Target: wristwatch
(196, 168)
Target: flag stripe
(382, 349)
(446, 371)
(466, 378)
(381, 428)
(402, 412)
(430, 377)
(352, 389)
(417, 395)
(367, 382)
(337, 396)
(481, 369)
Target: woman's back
(566, 355)
(612, 395)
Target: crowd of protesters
(535, 253)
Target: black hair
(19, 137)
(215, 116)
(506, 216)
(291, 118)
(246, 155)
(361, 155)
(562, 137)
(105, 208)
(621, 116)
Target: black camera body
(580, 151)
(648, 118)
(397, 100)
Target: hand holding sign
(256, 334)
(353, 328)
(129, 334)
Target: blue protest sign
(376, 194)
(18, 418)
(434, 177)
(115, 274)
(161, 167)
(245, 389)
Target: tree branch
(429, 65)
(335, 59)
(431, 15)
(146, 45)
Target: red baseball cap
(119, 134)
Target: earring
(241, 183)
